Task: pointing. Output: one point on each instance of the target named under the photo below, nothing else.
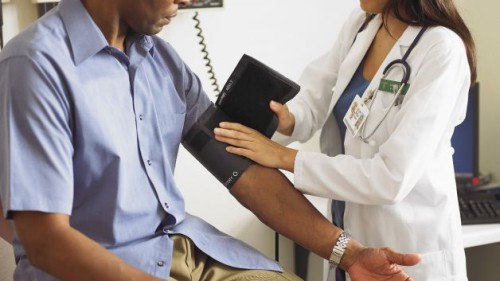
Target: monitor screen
(465, 140)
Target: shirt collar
(145, 42)
(86, 39)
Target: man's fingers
(402, 259)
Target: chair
(7, 263)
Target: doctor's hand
(286, 120)
(371, 264)
(251, 144)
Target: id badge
(356, 115)
(392, 87)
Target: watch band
(339, 248)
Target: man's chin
(152, 30)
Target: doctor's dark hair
(435, 13)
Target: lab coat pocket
(432, 267)
(387, 100)
(391, 108)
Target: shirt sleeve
(197, 100)
(36, 147)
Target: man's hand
(370, 264)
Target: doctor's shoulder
(443, 39)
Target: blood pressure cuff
(244, 99)
(212, 154)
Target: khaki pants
(191, 264)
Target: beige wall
(18, 14)
(483, 20)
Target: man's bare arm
(53, 246)
(273, 199)
(5, 228)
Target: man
(92, 111)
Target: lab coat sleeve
(310, 107)
(427, 116)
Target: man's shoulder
(44, 36)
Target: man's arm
(53, 246)
(5, 228)
(274, 200)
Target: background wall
(17, 14)
(482, 18)
(483, 21)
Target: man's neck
(107, 17)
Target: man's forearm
(5, 228)
(67, 254)
(274, 200)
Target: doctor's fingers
(237, 127)
(233, 134)
(248, 144)
(286, 120)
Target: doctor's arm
(273, 199)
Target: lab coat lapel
(407, 38)
(354, 57)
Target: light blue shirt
(90, 132)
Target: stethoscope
(406, 69)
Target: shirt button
(160, 263)
(141, 117)
(166, 205)
(150, 163)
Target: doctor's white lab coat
(400, 190)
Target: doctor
(391, 159)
